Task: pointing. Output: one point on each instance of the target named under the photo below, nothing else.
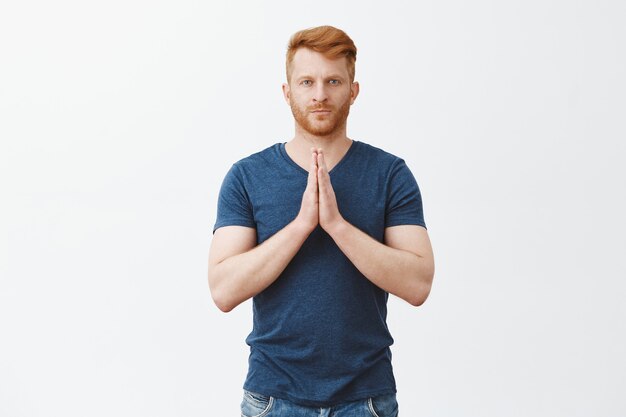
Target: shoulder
(378, 157)
(251, 165)
(263, 156)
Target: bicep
(410, 238)
(230, 241)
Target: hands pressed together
(319, 205)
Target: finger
(321, 163)
(312, 179)
(322, 174)
(323, 160)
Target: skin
(318, 82)
(239, 269)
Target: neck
(334, 145)
(304, 139)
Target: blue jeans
(258, 405)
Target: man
(319, 230)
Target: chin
(324, 130)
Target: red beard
(321, 124)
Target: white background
(119, 120)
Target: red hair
(331, 42)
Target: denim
(259, 405)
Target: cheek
(295, 98)
(346, 97)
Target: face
(319, 92)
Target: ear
(354, 91)
(287, 93)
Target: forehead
(306, 61)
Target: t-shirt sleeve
(404, 200)
(233, 203)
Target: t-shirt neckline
(291, 162)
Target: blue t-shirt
(319, 333)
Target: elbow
(222, 304)
(419, 298)
(220, 298)
(224, 307)
(420, 294)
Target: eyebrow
(332, 76)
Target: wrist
(337, 227)
(303, 227)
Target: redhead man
(318, 231)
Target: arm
(403, 265)
(239, 269)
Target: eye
(306, 82)
(334, 82)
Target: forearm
(242, 276)
(399, 272)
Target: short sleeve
(404, 200)
(233, 203)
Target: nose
(320, 95)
